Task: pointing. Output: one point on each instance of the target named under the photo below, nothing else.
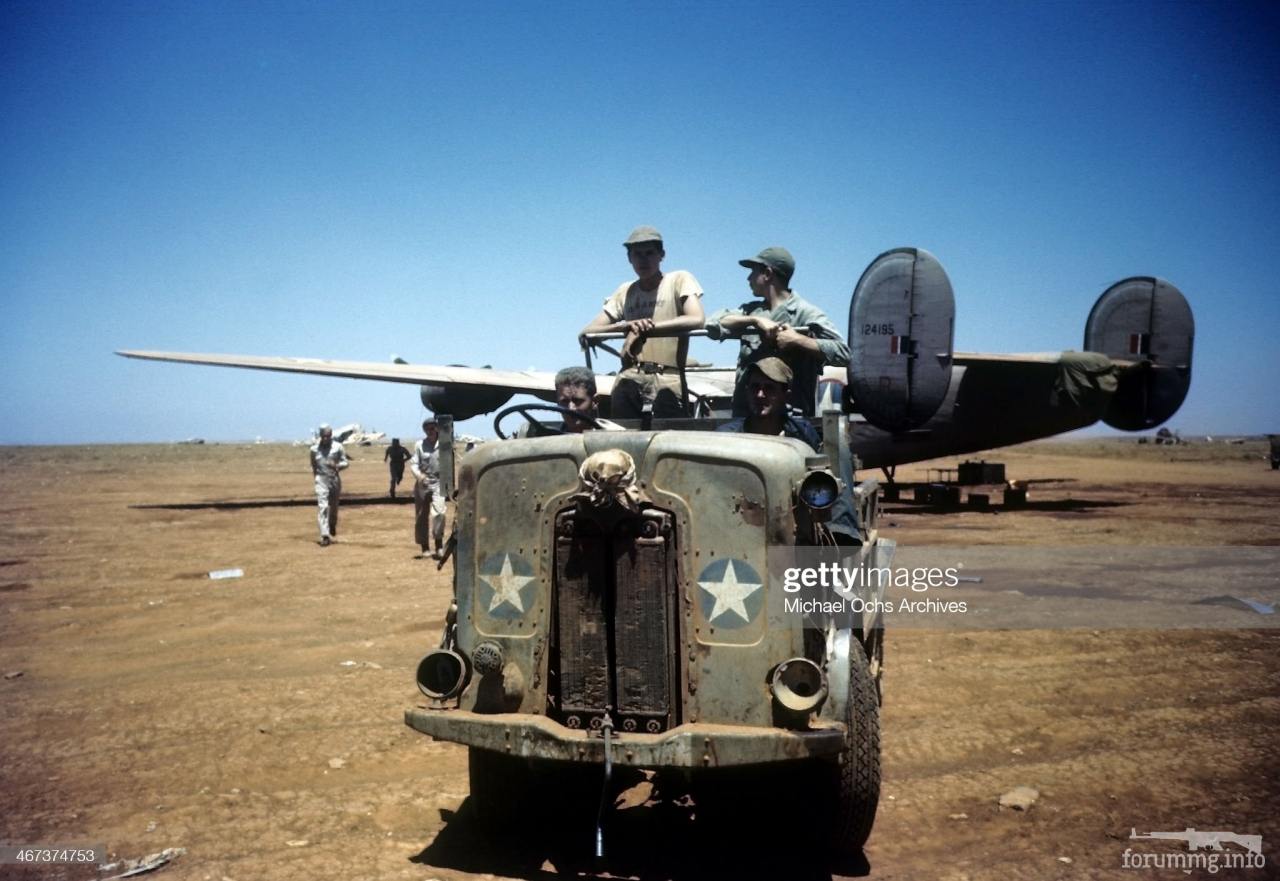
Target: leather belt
(650, 367)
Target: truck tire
(853, 784)
(500, 785)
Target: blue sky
(451, 184)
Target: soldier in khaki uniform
(654, 301)
(328, 459)
(428, 499)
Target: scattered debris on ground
(1020, 798)
(149, 863)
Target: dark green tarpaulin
(1086, 380)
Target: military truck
(615, 605)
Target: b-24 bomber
(611, 589)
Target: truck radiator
(614, 632)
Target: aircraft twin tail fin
(902, 319)
(901, 322)
(1146, 324)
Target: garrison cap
(773, 368)
(643, 234)
(324, 426)
(777, 259)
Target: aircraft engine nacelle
(901, 323)
(1147, 320)
(462, 403)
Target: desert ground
(257, 722)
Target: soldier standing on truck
(771, 327)
(650, 365)
(428, 499)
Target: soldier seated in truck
(576, 402)
(767, 384)
(576, 391)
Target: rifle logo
(1204, 851)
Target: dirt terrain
(257, 721)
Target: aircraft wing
(530, 381)
(964, 359)
(534, 382)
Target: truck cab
(617, 602)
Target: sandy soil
(257, 722)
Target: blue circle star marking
(732, 593)
(506, 577)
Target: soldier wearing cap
(654, 301)
(766, 386)
(770, 326)
(328, 459)
(428, 498)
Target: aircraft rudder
(901, 325)
(1147, 320)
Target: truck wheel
(875, 662)
(853, 784)
(499, 786)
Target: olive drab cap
(777, 259)
(643, 234)
(773, 368)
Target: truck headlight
(798, 687)
(818, 492)
(441, 674)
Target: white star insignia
(506, 586)
(729, 594)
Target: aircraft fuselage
(987, 405)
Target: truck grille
(614, 643)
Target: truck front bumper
(694, 745)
